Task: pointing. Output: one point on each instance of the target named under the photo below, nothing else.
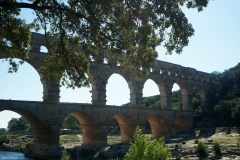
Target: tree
(3, 131)
(17, 125)
(70, 122)
(77, 31)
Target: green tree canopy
(2, 131)
(77, 31)
(17, 125)
(70, 122)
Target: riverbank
(182, 146)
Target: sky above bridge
(214, 47)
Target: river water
(6, 155)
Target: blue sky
(214, 47)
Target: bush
(65, 155)
(141, 148)
(196, 141)
(202, 149)
(238, 143)
(216, 147)
(5, 138)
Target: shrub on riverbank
(142, 148)
(5, 138)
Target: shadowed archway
(92, 134)
(159, 126)
(127, 126)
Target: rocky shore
(182, 146)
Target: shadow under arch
(182, 123)
(159, 126)
(92, 134)
(127, 126)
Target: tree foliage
(16, 125)
(223, 100)
(142, 148)
(5, 138)
(77, 31)
(3, 131)
(70, 122)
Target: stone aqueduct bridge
(45, 118)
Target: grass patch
(20, 137)
(69, 137)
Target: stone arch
(127, 126)
(176, 97)
(33, 120)
(201, 92)
(186, 96)
(182, 123)
(158, 84)
(29, 61)
(39, 130)
(159, 126)
(19, 81)
(125, 81)
(92, 133)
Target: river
(6, 155)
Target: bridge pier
(51, 91)
(45, 144)
(136, 94)
(99, 91)
(186, 99)
(166, 96)
(160, 127)
(94, 135)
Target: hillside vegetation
(222, 105)
(223, 101)
(154, 102)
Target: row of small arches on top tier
(117, 88)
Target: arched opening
(76, 95)
(127, 125)
(151, 96)
(117, 91)
(113, 130)
(70, 131)
(182, 123)
(27, 128)
(6, 116)
(92, 134)
(176, 97)
(43, 49)
(23, 85)
(159, 126)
